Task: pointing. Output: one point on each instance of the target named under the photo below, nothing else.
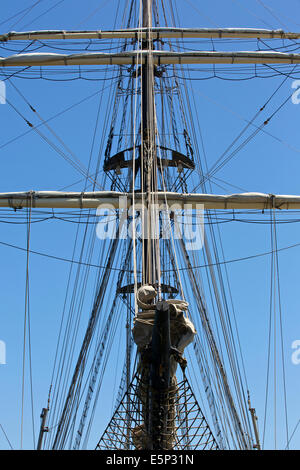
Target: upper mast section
(148, 157)
(147, 13)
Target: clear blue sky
(269, 164)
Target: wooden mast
(147, 140)
(159, 371)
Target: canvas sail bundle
(182, 329)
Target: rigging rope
(74, 161)
(221, 160)
(9, 443)
(42, 14)
(27, 330)
(275, 316)
(230, 353)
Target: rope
(221, 161)
(75, 162)
(292, 435)
(281, 330)
(26, 320)
(227, 334)
(6, 437)
(272, 319)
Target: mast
(159, 376)
(148, 146)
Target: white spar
(114, 199)
(158, 57)
(155, 33)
